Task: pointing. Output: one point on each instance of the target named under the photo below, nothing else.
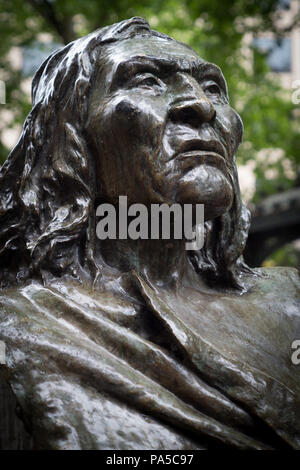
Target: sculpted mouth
(195, 145)
(198, 151)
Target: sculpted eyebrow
(144, 63)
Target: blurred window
(35, 54)
(278, 52)
(284, 4)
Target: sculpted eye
(147, 80)
(214, 89)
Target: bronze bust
(139, 344)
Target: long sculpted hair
(47, 184)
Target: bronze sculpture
(139, 344)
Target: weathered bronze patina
(124, 344)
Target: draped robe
(111, 370)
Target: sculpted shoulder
(255, 329)
(280, 287)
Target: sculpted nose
(193, 112)
(193, 107)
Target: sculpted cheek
(231, 128)
(127, 110)
(120, 113)
(238, 126)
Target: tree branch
(64, 27)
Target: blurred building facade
(283, 54)
(276, 219)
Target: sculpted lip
(199, 145)
(196, 157)
(198, 151)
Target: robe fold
(103, 370)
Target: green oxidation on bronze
(138, 344)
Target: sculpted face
(161, 126)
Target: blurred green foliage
(287, 255)
(216, 30)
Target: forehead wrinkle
(139, 61)
(196, 67)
